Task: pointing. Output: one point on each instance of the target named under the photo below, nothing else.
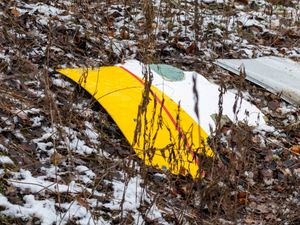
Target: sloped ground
(62, 159)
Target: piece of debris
(278, 75)
(156, 109)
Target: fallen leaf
(21, 114)
(56, 158)
(124, 34)
(279, 188)
(110, 33)
(180, 46)
(83, 202)
(243, 198)
(245, 2)
(192, 48)
(273, 105)
(15, 12)
(295, 149)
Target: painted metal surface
(170, 134)
(277, 75)
(168, 72)
(164, 141)
(181, 92)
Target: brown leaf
(279, 188)
(27, 147)
(10, 190)
(110, 33)
(124, 34)
(277, 40)
(180, 46)
(295, 149)
(280, 2)
(192, 48)
(15, 12)
(242, 197)
(21, 114)
(292, 34)
(83, 202)
(273, 105)
(56, 158)
(245, 2)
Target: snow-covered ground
(62, 159)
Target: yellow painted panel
(168, 137)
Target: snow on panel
(277, 75)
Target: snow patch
(41, 8)
(44, 210)
(91, 133)
(86, 175)
(77, 145)
(3, 148)
(5, 160)
(134, 196)
(83, 216)
(25, 181)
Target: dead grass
(234, 190)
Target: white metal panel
(182, 93)
(277, 75)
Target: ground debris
(64, 161)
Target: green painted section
(167, 72)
